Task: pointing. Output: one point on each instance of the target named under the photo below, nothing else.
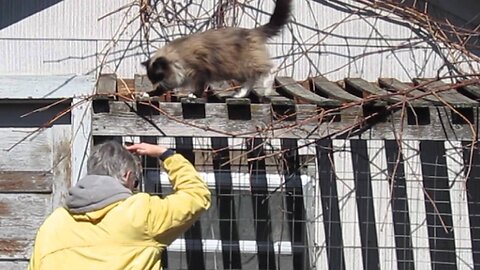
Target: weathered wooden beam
(125, 106)
(19, 264)
(25, 182)
(125, 87)
(106, 90)
(142, 83)
(419, 124)
(295, 89)
(223, 89)
(81, 138)
(21, 216)
(14, 248)
(132, 125)
(332, 90)
(307, 115)
(31, 155)
(396, 85)
(451, 96)
(472, 91)
(107, 85)
(419, 128)
(174, 124)
(368, 89)
(61, 169)
(283, 108)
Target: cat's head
(164, 72)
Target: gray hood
(94, 192)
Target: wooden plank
(368, 89)
(307, 115)
(61, 163)
(125, 87)
(223, 89)
(451, 96)
(14, 265)
(279, 100)
(15, 248)
(437, 129)
(398, 86)
(293, 88)
(142, 83)
(21, 216)
(333, 90)
(175, 125)
(107, 84)
(25, 182)
(41, 86)
(472, 90)
(283, 108)
(81, 138)
(31, 154)
(125, 106)
(130, 124)
(238, 101)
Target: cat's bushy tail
(280, 17)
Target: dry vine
(162, 20)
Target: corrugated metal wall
(333, 38)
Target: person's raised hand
(152, 150)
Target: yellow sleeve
(171, 216)
(33, 264)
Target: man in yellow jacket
(105, 226)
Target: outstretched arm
(171, 216)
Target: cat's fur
(217, 55)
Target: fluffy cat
(215, 55)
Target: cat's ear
(146, 63)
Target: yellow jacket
(127, 234)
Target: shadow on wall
(12, 11)
(462, 14)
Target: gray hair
(112, 159)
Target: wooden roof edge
(317, 90)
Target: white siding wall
(326, 38)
